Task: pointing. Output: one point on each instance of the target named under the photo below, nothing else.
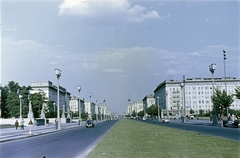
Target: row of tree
(220, 99)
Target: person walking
(16, 124)
(22, 124)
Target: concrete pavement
(8, 134)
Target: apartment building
(197, 93)
(74, 104)
(50, 92)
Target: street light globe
(79, 88)
(58, 72)
(20, 96)
(181, 84)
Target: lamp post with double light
(79, 106)
(224, 58)
(58, 74)
(212, 68)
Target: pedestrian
(56, 123)
(22, 124)
(16, 124)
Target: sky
(117, 49)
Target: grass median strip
(131, 139)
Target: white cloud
(99, 10)
(175, 72)
(194, 54)
(112, 70)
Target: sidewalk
(8, 134)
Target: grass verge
(133, 139)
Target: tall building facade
(197, 93)
(50, 92)
(74, 104)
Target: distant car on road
(165, 120)
(236, 123)
(89, 123)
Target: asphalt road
(75, 142)
(225, 132)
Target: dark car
(89, 123)
(236, 123)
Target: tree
(24, 91)
(12, 101)
(221, 100)
(13, 105)
(4, 109)
(51, 113)
(237, 92)
(134, 113)
(153, 110)
(201, 112)
(37, 100)
(141, 113)
(192, 111)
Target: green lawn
(133, 139)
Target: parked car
(89, 123)
(165, 120)
(236, 123)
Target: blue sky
(117, 49)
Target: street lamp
(79, 106)
(97, 110)
(20, 97)
(167, 104)
(90, 95)
(183, 99)
(104, 110)
(224, 58)
(158, 107)
(58, 74)
(212, 68)
(101, 111)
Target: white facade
(148, 101)
(74, 104)
(198, 92)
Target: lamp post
(20, 114)
(167, 104)
(212, 68)
(90, 95)
(58, 74)
(79, 106)
(224, 58)
(104, 110)
(101, 110)
(183, 99)
(97, 111)
(158, 107)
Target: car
(236, 123)
(165, 120)
(89, 123)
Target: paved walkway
(8, 134)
